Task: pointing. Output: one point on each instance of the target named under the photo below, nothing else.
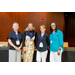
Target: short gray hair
(14, 24)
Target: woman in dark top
(42, 44)
(14, 40)
(29, 43)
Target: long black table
(4, 54)
(67, 56)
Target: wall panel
(23, 18)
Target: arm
(23, 38)
(23, 41)
(9, 41)
(48, 41)
(20, 46)
(60, 42)
(35, 40)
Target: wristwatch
(59, 48)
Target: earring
(33, 28)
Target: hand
(58, 52)
(48, 47)
(17, 48)
(24, 49)
(35, 49)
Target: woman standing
(14, 40)
(29, 43)
(56, 43)
(42, 44)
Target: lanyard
(31, 35)
(16, 35)
(41, 38)
(52, 36)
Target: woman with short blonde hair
(42, 44)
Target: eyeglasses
(42, 28)
(52, 25)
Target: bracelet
(59, 48)
(21, 46)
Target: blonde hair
(28, 25)
(43, 26)
(31, 23)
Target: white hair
(14, 24)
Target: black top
(28, 34)
(45, 42)
(13, 38)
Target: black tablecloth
(67, 56)
(4, 48)
(4, 54)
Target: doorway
(70, 28)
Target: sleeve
(61, 42)
(23, 38)
(35, 38)
(47, 39)
(9, 36)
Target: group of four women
(54, 42)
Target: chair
(65, 44)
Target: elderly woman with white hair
(15, 44)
